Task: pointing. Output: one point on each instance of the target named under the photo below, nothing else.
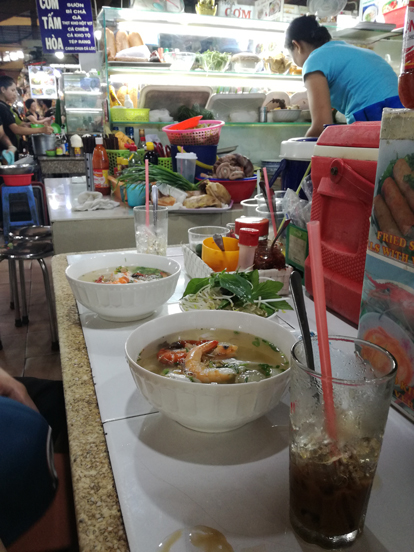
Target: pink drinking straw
(318, 287)
(146, 193)
(270, 202)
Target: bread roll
(110, 44)
(133, 95)
(121, 94)
(121, 41)
(166, 201)
(134, 39)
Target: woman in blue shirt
(355, 81)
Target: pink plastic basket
(208, 136)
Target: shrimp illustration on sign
(393, 300)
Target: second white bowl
(123, 302)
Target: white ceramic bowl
(123, 302)
(203, 407)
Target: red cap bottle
(248, 240)
(406, 80)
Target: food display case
(82, 100)
(228, 54)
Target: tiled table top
(168, 477)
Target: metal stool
(8, 191)
(26, 250)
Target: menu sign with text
(42, 82)
(66, 25)
(387, 303)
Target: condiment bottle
(77, 145)
(248, 241)
(128, 102)
(129, 131)
(151, 154)
(59, 147)
(260, 224)
(142, 139)
(406, 80)
(100, 168)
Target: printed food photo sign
(42, 82)
(387, 306)
(66, 25)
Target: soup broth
(124, 275)
(213, 356)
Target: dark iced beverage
(329, 493)
(336, 429)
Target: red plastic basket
(17, 179)
(207, 136)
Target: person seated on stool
(28, 480)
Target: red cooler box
(344, 165)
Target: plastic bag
(298, 210)
(160, 115)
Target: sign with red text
(233, 9)
(66, 25)
(387, 303)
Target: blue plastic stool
(7, 191)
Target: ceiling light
(20, 54)
(14, 56)
(98, 34)
(59, 55)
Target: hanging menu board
(42, 82)
(66, 25)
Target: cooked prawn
(176, 352)
(224, 350)
(194, 365)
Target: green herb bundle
(136, 175)
(240, 291)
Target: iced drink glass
(151, 239)
(331, 477)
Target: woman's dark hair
(6, 82)
(307, 29)
(28, 103)
(47, 103)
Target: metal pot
(17, 169)
(42, 143)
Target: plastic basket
(165, 162)
(17, 179)
(112, 157)
(129, 115)
(208, 136)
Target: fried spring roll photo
(400, 170)
(385, 219)
(397, 204)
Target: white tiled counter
(112, 228)
(168, 477)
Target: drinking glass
(330, 474)
(198, 234)
(153, 238)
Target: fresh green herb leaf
(194, 285)
(165, 372)
(267, 290)
(225, 303)
(256, 342)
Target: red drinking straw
(146, 193)
(318, 287)
(270, 202)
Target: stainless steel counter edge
(98, 515)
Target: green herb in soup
(124, 275)
(214, 356)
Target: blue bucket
(136, 195)
(205, 154)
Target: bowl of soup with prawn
(123, 287)
(211, 371)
